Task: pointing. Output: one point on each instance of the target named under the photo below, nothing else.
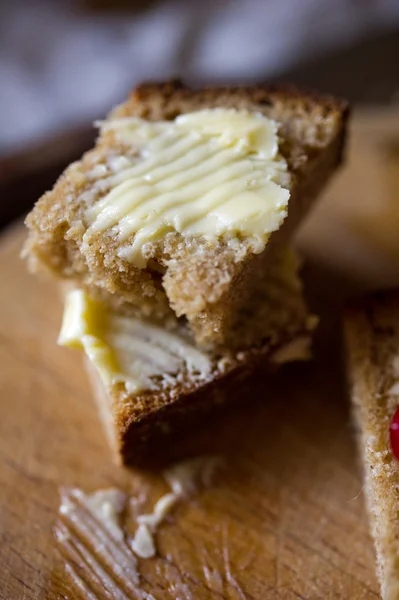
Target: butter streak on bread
(214, 174)
(178, 268)
(372, 342)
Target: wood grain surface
(285, 518)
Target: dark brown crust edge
(258, 93)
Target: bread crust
(371, 327)
(206, 287)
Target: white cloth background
(60, 65)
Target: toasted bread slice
(206, 283)
(153, 379)
(372, 341)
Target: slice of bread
(174, 398)
(206, 283)
(372, 340)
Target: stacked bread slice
(173, 231)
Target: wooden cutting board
(285, 518)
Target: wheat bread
(205, 284)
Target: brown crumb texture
(273, 305)
(372, 341)
(205, 283)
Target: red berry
(394, 434)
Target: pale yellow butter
(125, 349)
(213, 173)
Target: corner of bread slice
(371, 327)
(77, 231)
